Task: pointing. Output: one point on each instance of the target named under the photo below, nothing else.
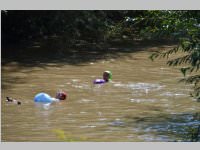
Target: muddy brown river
(144, 102)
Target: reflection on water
(167, 126)
(144, 102)
(117, 122)
(45, 106)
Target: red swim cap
(61, 95)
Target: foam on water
(173, 94)
(86, 100)
(140, 86)
(142, 100)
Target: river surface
(144, 102)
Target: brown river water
(144, 102)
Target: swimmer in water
(107, 76)
(45, 98)
(11, 100)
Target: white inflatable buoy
(43, 97)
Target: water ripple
(140, 86)
(142, 100)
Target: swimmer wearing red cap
(61, 95)
(42, 97)
(45, 98)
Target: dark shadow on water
(44, 54)
(37, 54)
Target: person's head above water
(61, 95)
(107, 76)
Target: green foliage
(183, 26)
(18, 25)
(169, 24)
(67, 27)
